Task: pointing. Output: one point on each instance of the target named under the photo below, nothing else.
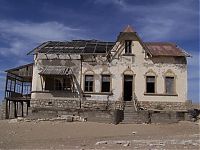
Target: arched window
(170, 82)
(150, 77)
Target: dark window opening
(169, 85)
(128, 87)
(128, 49)
(105, 85)
(58, 83)
(150, 84)
(89, 80)
(49, 83)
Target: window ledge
(98, 93)
(128, 54)
(161, 94)
(50, 91)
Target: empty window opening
(89, 83)
(150, 84)
(58, 83)
(105, 85)
(169, 85)
(128, 49)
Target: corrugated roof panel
(164, 49)
(55, 70)
(77, 46)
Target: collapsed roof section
(74, 47)
(95, 47)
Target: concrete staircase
(130, 114)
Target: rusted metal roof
(165, 49)
(55, 70)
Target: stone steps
(130, 114)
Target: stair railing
(135, 102)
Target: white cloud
(23, 36)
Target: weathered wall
(138, 66)
(165, 105)
(135, 64)
(42, 61)
(74, 103)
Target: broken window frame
(151, 83)
(105, 82)
(172, 89)
(128, 47)
(60, 83)
(89, 83)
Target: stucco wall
(139, 66)
(136, 65)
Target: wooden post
(15, 110)
(14, 84)
(27, 104)
(6, 115)
(22, 87)
(6, 86)
(22, 105)
(8, 109)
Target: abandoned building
(82, 76)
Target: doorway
(128, 87)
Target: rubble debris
(121, 142)
(134, 132)
(101, 142)
(127, 144)
(12, 121)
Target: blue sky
(24, 24)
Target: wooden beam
(6, 84)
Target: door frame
(133, 85)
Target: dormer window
(128, 49)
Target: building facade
(96, 75)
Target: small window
(150, 84)
(169, 85)
(105, 83)
(89, 83)
(128, 49)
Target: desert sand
(90, 135)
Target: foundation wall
(75, 103)
(171, 106)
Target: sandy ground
(88, 135)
